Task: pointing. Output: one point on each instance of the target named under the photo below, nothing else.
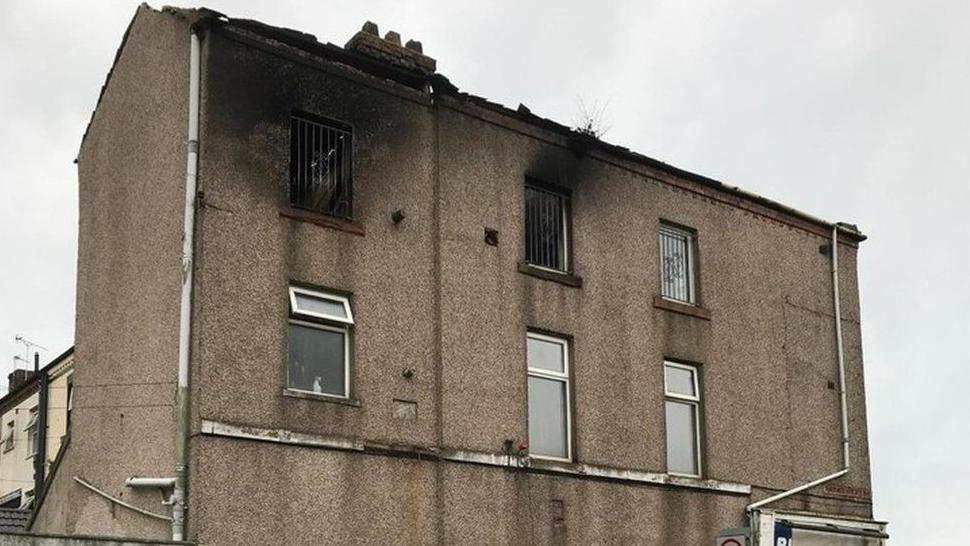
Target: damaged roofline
(438, 84)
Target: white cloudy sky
(852, 110)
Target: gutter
(843, 403)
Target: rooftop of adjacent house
(13, 520)
(408, 65)
(23, 383)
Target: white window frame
(325, 322)
(691, 241)
(694, 401)
(32, 432)
(343, 300)
(562, 377)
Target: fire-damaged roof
(363, 52)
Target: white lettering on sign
(782, 541)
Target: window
(546, 228)
(32, 431)
(682, 403)
(549, 416)
(320, 166)
(70, 398)
(677, 264)
(8, 436)
(319, 343)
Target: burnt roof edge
(441, 84)
(525, 115)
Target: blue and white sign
(783, 535)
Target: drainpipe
(179, 493)
(842, 394)
(40, 456)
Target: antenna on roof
(27, 346)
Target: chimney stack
(18, 378)
(389, 49)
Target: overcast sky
(853, 111)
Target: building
(404, 314)
(24, 425)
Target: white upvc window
(31, 429)
(677, 264)
(318, 341)
(550, 426)
(682, 400)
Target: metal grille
(320, 167)
(546, 228)
(676, 264)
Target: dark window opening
(546, 228)
(320, 166)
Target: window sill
(687, 309)
(320, 397)
(554, 276)
(322, 220)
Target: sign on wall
(783, 535)
(733, 537)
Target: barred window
(677, 264)
(320, 166)
(546, 228)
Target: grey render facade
(430, 442)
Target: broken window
(319, 343)
(546, 228)
(320, 166)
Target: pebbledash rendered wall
(429, 294)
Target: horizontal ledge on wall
(322, 220)
(567, 279)
(511, 462)
(320, 397)
(687, 309)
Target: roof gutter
(843, 402)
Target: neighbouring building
(416, 316)
(32, 438)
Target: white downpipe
(842, 396)
(179, 495)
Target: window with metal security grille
(682, 406)
(550, 428)
(319, 343)
(677, 264)
(321, 163)
(546, 228)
